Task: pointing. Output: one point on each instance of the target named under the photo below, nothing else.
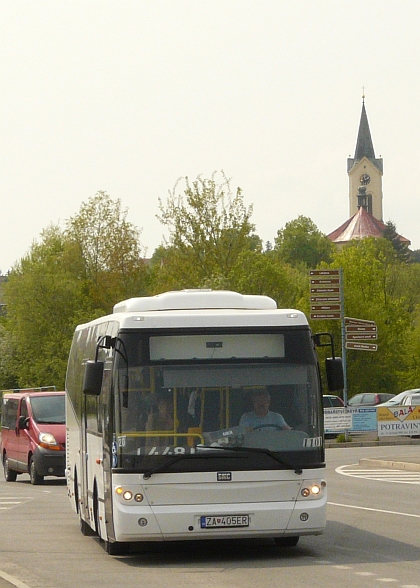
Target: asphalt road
(372, 538)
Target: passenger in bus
(262, 416)
(161, 419)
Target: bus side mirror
(335, 373)
(92, 382)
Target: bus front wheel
(286, 541)
(117, 548)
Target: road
(372, 538)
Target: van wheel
(9, 475)
(35, 477)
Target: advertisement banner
(398, 420)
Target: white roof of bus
(195, 300)
(201, 308)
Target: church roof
(364, 144)
(359, 226)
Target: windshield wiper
(165, 465)
(268, 452)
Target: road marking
(14, 581)
(380, 475)
(400, 514)
(8, 502)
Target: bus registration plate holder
(214, 522)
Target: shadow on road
(341, 544)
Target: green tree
(400, 247)
(111, 261)
(44, 302)
(263, 273)
(371, 275)
(208, 228)
(301, 243)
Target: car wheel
(9, 475)
(36, 478)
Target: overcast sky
(128, 96)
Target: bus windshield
(193, 395)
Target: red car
(369, 399)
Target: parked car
(33, 435)
(369, 399)
(408, 397)
(332, 401)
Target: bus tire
(117, 548)
(9, 475)
(96, 511)
(85, 528)
(36, 478)
(286, 541)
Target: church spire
(364, 145)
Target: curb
(390, 464)
(335, 445)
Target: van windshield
(49, 409)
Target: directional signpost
(358, 331)
(326, 294)
(327, 302)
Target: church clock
(365, 179)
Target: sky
(127, 97)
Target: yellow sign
(398, 420)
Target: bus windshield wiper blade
(163, 466)
(258, 450)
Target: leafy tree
(263, 273)
(371, 272)
(301, 243)
(409, 374)
(8, 377)
(400, 247)
(111, 261)
(44, 302)
(415, 256)
(208, 228)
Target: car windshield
(49, 409)
(356, 399)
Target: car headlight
(48, 441)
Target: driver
(261, 415)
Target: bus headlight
(313, 489)
(128, 494)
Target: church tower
(364, 169)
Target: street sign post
(361, 346)
(359, 330)
(326, 294)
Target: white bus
(161, 442)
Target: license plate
(224, 521)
